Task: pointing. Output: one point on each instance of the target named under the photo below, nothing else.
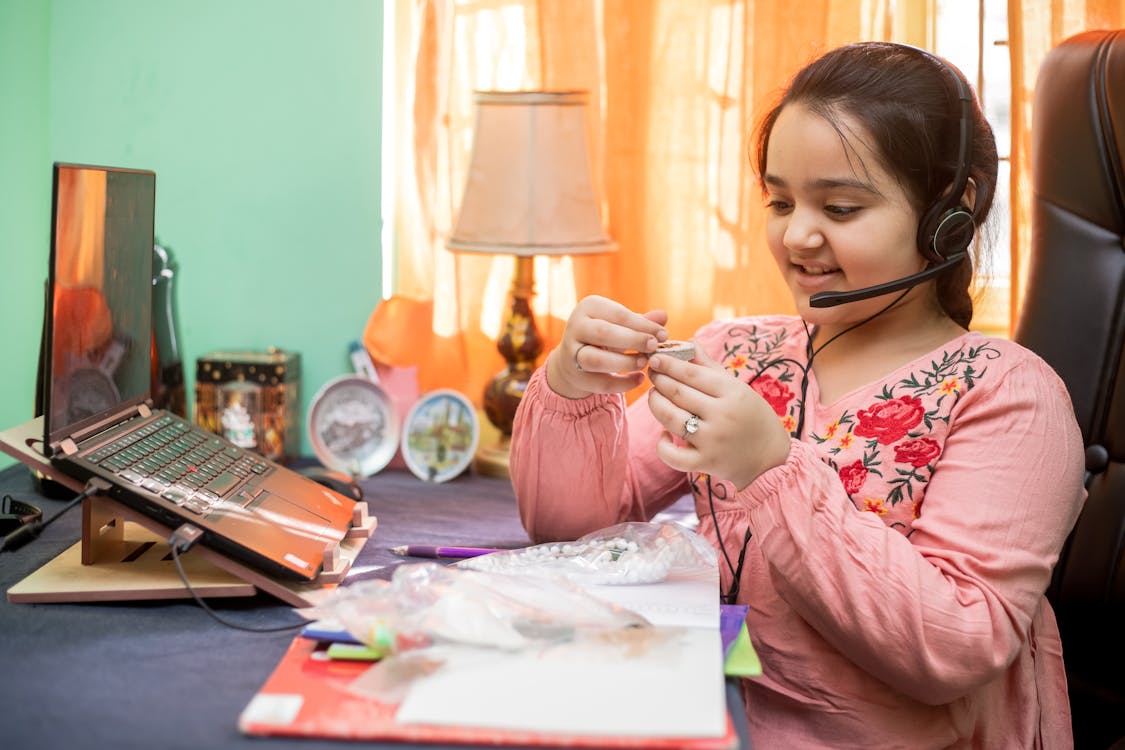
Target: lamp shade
(529, 189)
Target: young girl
(887, 491)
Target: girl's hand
(604, 348)
(737, 436)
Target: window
(973, 36)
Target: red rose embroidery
(888, 421)
(776, 393)
(918, 452)
(853, 476)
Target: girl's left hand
(737, 437)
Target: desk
(163, 674)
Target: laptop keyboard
(182, 463)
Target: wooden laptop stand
(125, 555)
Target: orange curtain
(1035, 26)
(676, 87)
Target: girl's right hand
(604, 348)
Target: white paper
(664, 681)
(685, 602)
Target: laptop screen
(99, 307)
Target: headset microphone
(831, 299)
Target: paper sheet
(684, 602)
(661, 682)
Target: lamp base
(492, 459)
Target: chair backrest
(1073, 316)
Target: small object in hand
(684, 350)
(691, 425)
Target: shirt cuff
(772, 482)
(539, 389)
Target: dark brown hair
(907, 102)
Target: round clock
(353, 427)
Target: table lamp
(528, 192)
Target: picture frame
(353, 426)
(440, 435)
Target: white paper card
(671, 686)
(689, 603)
(665, 681)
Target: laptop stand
(124, 555)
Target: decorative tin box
(252, 398)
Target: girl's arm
(579, 465)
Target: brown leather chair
(1074, 317)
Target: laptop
(97, 407)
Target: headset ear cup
(943, 234)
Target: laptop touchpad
(278, 510)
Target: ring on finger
(691, 425)
(577, 364)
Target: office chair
(1073, 316)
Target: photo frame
(440, 435)
(353, 426)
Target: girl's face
(837, 219)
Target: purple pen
(422, 550)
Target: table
(162, 674)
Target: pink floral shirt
(898, 558)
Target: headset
(946, 229)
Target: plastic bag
(427, 604)
(630, 552)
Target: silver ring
(691, 425)
(578, 366)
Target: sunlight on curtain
(676, 88)
(1036, 26)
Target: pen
(421, 550)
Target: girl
(887, 491)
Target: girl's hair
(907, 102)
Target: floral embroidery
(890, 420)
(853, 476)
(917, 452)
(755, 354)
(885, 451)
(754, 348)
(844, 421)
(776, 393)
(874, 505)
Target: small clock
(353, 426)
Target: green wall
(261, 119)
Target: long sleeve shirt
(896, 571)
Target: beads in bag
(628, 553)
